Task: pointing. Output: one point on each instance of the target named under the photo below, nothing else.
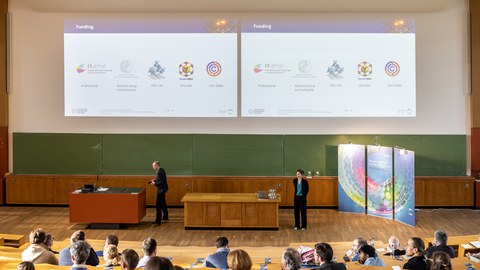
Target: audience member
(394, 245)
(291, 260)
(49, 243)
(129, 259)
(80, 251)
(159, 263)
(440, 261)
(110, 255)
(440, 244)
(475, 255)
(65, 257)
(239, 260)
(219, 258)
(26, 266)
(367, 256)
(357, 243)
(324, 256)
(111, 239)
(149, 247)
(178, 267)
(37, 252)
(416, 249)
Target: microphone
(95, 184)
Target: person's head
(291, 259)
(300, 173)
(358, 242)
(80, 250)
(393, 242)
(239, 260)
(111, 240)
(156, 165)
(415, 247)
(77, 236)
(440, 237)
(149, 247)
(110, 252)
(221, 242)
(48, 242)
(323, 253)
(37, 236)
(365, 252)
(159, 263)
(129, 259)
(25, 266)
(177, 267)
(440, 261)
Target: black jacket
(161, 181)
(304, 187)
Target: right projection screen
(328, 68)
(389, 182)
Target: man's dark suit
(162, 188)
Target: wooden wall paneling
(214, 185)
(3, 160)
(64, 185)
(420, 191)
(211, 214)
(231, 214)
(30, 190)
(442, 191)
(323, 191)
(178, 186)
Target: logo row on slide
(334, 71)
(155, 71)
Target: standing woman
(300, 199)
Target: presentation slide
(151, 68)
(327, 68)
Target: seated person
(440, 261)
(291, 260)
(367, 256)
(80, 251)
(357, 243)
(440, 244)
(49, 243)
(26, 265)
(416, 250)
(159, 263)
(394, 245)
(129, 259)
(219, 258)
(324, 256)
(239, 260)
(475, 255)
(110, 240)
(149, 247)
(110, 255)
(65, 257)
(37, 252)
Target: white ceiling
(238, 5)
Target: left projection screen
(151, 68)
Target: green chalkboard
(434, 154)
(39, 153)
(238, 155)
(214, 154)
(133, 154)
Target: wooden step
(12, 240)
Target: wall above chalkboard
(217, 154)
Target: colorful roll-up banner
(351, 178)
(404, 167)
(379, 181)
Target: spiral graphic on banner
(392, 68)
(214, 69)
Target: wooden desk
(456, 243)
(114, 206)
(230, 210)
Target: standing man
(162, 187)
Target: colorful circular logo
(365, 69)
(185, 69)
(214, 69)
(392, 68)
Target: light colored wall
(36, 89)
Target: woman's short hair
(37, 236)
(302, 172)
(239, 260)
